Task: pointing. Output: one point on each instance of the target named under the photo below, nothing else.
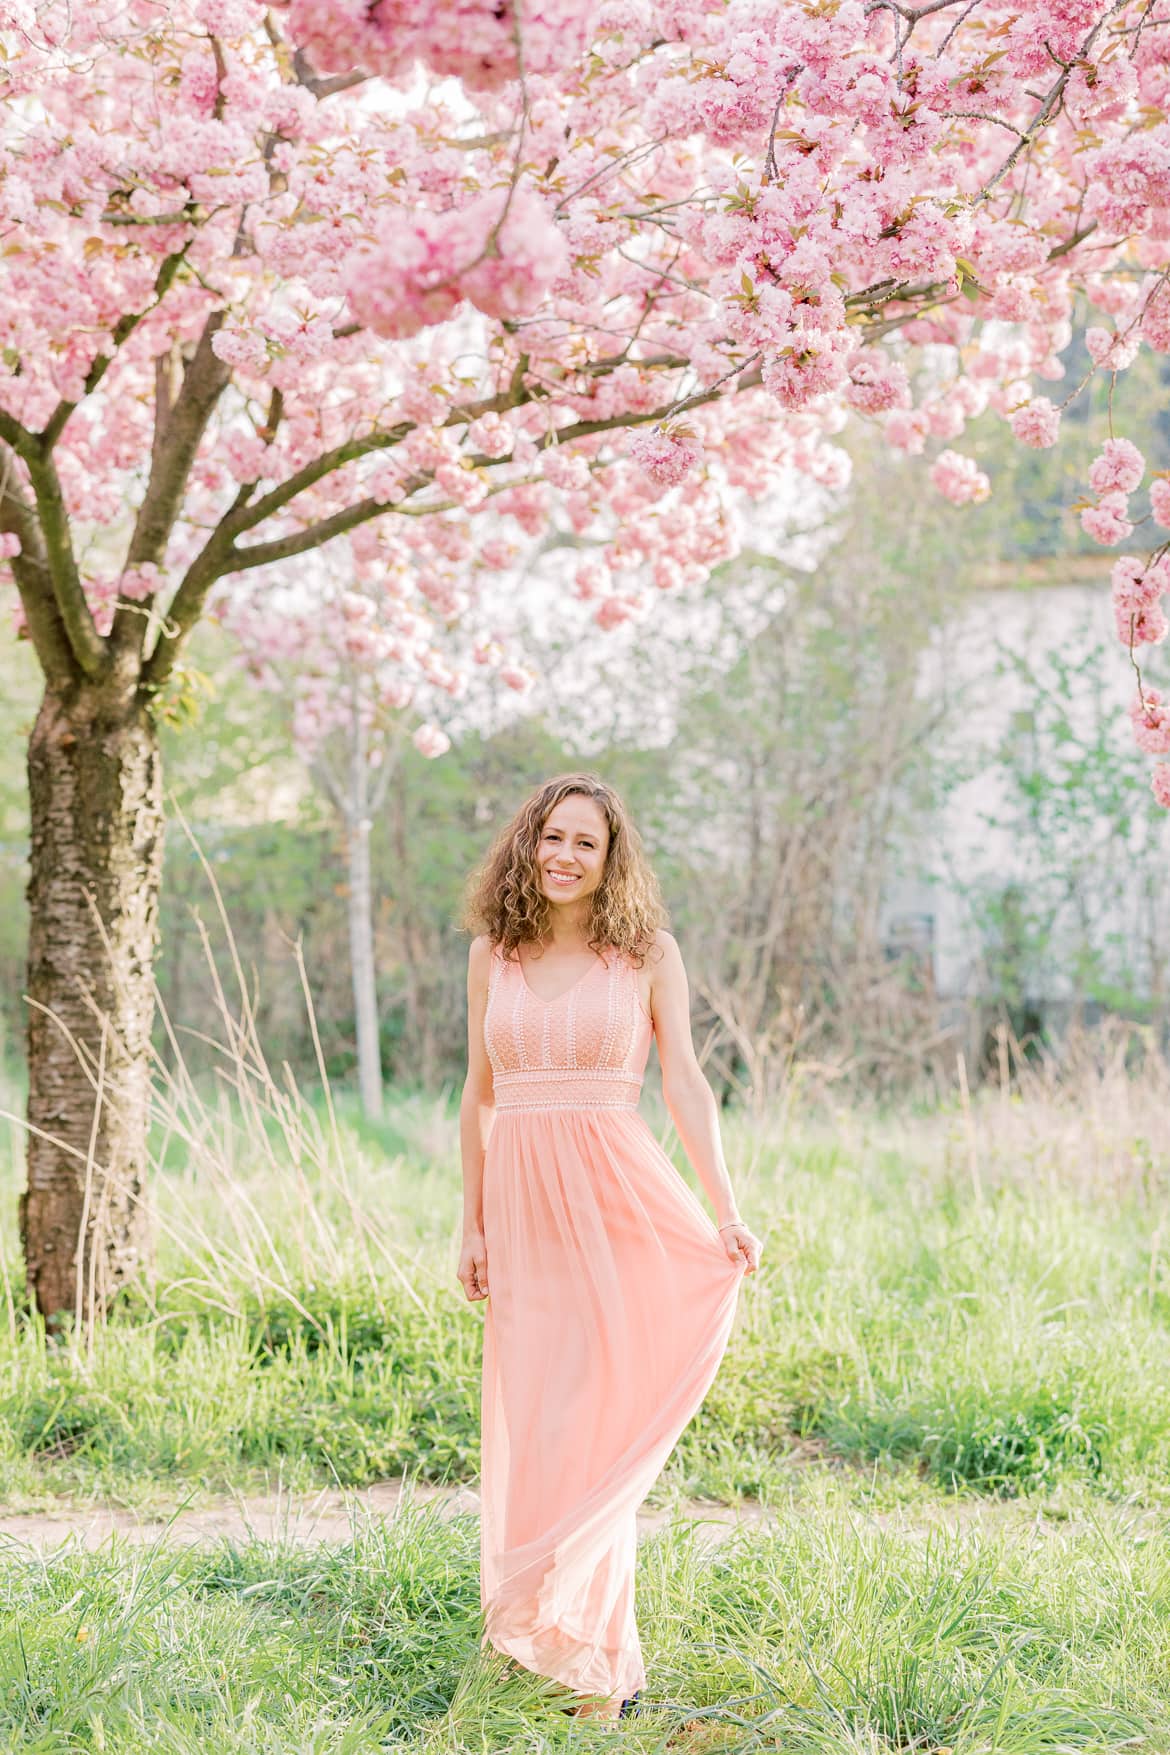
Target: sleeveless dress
(612, 1299)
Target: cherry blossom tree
(349, 660)
(616, 267)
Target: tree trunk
(95, 794)
(361, 956)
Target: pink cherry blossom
(497, 553)
(907, 432)
(430, 740)
(1150, 715)
(237, 347)
(582, 254)
(491, 434)
(1138, 580)
(1107, 521)
(1119, 468)
(1111, 350)
(1037, 423)
(958, 478)
(877, 384)
(564, 469)
(1160, 782)
(591, 580)
(611, 612)
(463, 484)
(502, 251)
(1137, 588)
(666, 453)
(1149, 626)
(1155, 321)
(138, 583)
(467, 39)
(396, 693)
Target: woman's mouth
(562, 879)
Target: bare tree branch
(180, 423)
(324, 88)
(89, 648)
(52, 545)
(33, 581)
(302, 70)
(306, 477)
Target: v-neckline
(539, 998)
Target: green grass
(307, 1322)
(947, 1383)
(820, 1637)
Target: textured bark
(95, 791)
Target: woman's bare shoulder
(664, 948)
(479, 954)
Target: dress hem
(615, 1695)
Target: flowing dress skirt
(611, 1302)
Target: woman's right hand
(473, 1271)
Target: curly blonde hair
(504, 898)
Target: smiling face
(570, 855)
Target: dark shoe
(626, 1709)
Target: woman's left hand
(739, 1243)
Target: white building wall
(961, 849)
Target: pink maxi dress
(612, 1299)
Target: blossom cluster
(667, 453)
(501, 251)
(349, 663)
(633, 262)
(463, 39)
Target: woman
(612, 1291)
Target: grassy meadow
(947, 1386)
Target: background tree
(342, 666)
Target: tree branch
(17, 436)
(220, 557)
(1078, 237)
(1050, 102)
(180, 422)
(54, 544)
(302, 71)
(210, 564)
(33, 581)
(246, 518)
(299, 542)
(324, 88)
(89, 649)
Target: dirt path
(326, 1516)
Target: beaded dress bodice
(586, 1049)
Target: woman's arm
(476, 1114)
(689, 1098)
